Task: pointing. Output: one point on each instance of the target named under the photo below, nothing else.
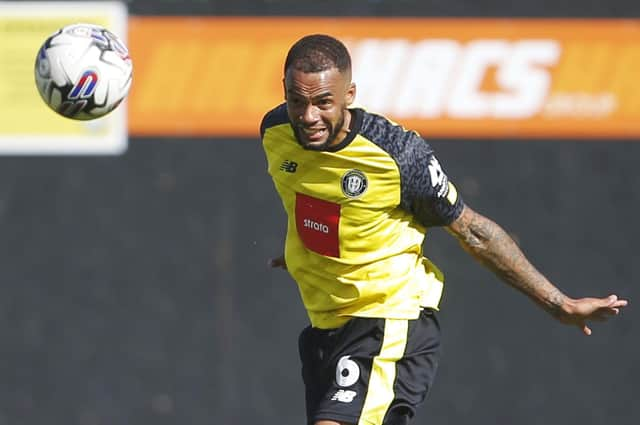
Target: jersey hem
(329, 416)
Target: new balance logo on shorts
(344, 396)
(289, 166)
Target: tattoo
(494, 248)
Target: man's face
(317, 104)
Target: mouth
(313, 134)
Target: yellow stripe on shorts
(383, 372)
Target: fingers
(604, 314)
(273, 262)
(596, 309)
(613, 301)
(277, 263)
(611, 306)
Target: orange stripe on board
(503, 78)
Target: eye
(295, 101)
(325, 103)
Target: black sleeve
(277, 115)
(426, 191)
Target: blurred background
(134, 288)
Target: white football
(83, 71)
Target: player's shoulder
(275, 116)
(391, 136)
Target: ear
(350, 95)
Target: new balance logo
(289, 166)
(344, 396)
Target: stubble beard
(327, 143)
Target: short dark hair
(316, 53)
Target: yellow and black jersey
(357, 217)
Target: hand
(278, 262)
(578, 312)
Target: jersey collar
(356, 124)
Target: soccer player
(359, 192)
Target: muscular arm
(494, 248)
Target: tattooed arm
(494, 248)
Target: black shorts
(369, 371)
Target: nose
(310, 114)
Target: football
(83, 71)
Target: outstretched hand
(578, 311)
(278, 262)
